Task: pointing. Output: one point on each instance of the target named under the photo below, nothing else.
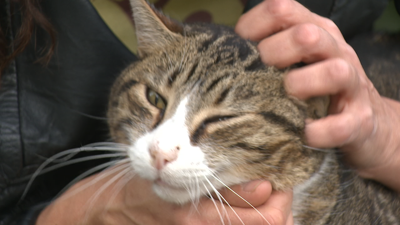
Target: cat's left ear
(154, 31)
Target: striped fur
(237, 111)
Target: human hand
(275, 206)
(147, 208)
(136, 203)
(363, 124)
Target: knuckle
(330, 25)
(366, 85)
(278, 218)
(277, 7)
(307, 35)
(344, 129)
(340, 70)
(366, 118)
(349, 51)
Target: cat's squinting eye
(156, 100)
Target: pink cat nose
(161, 157)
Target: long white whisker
(78, 160)
(241, 198)
(317, 149)
(219, 197)
(226, 202)
(106, 144)
(215, 204)
(93, 198)
(52, 158)
(104, 174)
(119, 186)
(197, 191)
(73, 152)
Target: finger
(275, 211)
(216, 211)
(290, 220)
(271, 16)
(254, 193)
(278, 208)
(302, 43)
(332, 131)
(329, 77)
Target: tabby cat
(200, 111)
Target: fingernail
(251, 186)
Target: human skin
(362, 123)
(137, 204)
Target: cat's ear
(154, 30)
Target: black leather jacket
(43, 110)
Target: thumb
(254, 192)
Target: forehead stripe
(172, 77)
(222, 96)
(215, 82)
(192, 71)
(127, 85)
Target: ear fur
(153, 29)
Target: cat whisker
(222, 200)
(66, 106)
(91, 171)
(190, 187)
(119, 186)
(193, 197)
(230, 189)
(88, 115)
(107, 144)
(215, 204)
(78, 160)
(317, 149)
(103, 174)
(94, 197)
(198, 190)
(100, 146)
(69, 154)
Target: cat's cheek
(141, 160)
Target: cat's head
(200, 109)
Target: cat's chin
(173, 194)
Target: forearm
(77, 205)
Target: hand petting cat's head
(200, 111)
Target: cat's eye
(155, 99)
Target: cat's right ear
(154, 31)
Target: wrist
(387, 168)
